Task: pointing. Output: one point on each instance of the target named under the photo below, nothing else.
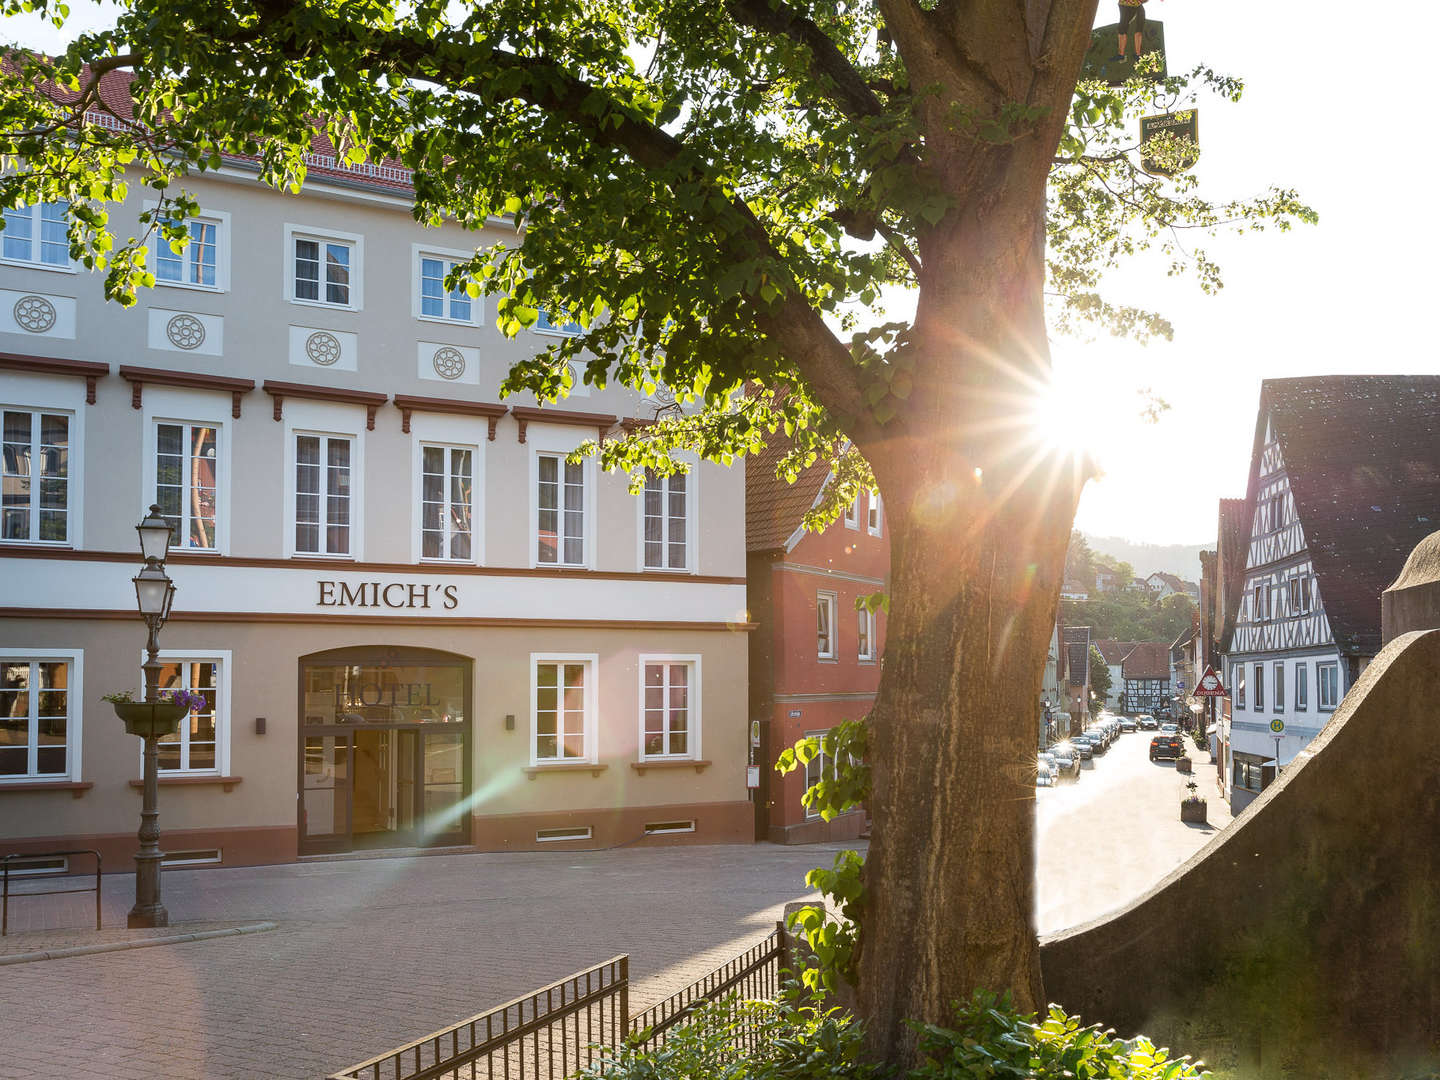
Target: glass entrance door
(384, 788)
(325, 794)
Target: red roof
(1362, 453)
(773, 508)
(1148, 660)
(1114, 651)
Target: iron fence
(5, 892)
(553, 1032)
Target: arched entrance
(384, 748)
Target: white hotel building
(412, 621)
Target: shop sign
(394, 594)
(1182, 125)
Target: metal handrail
(5, 887)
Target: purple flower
(192, 702)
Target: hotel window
(670, 714)
(545, 323)
(197, 261)
(1302, 687)
(324, 267)
(852, 514)
(446, 502)
(195, 747)
(825, 625)
(36, 234)
(322, 495)
(437, 302)
(1237, 684)
(866, 634)
(667, 521)
(37, 734)
(1279, 687)
(1259, 687)
(187, 465)
(562, 707)
(560, 499)
(35, 477)
(874, 521)
(1327, 682)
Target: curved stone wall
(1304, 941)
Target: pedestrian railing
(28, 856)
(555, 1031)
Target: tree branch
(896, 241)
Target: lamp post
(154, 593)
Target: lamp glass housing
(153, 590)
(154, 533)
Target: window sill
(698, 764)
(669, 571)
(440, 320)
(209, 780)
(594, 768)
(76, 788)
(191, 287)
(827, 660)
(322, 305)
(27, 265)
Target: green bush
(991, 1041)
(787, 1040)
(731, 1039)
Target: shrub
(991, 1041)
(731, 1039)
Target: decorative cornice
(281, 390)
(88, 370)
(193, 380)
(407, 404)
(97, 614)
(526, 415)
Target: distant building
(1107, 580)
(1146, 671)
(1223, 576)
(1114, 653)
(1073, 590)
(1077, 676)
(1344, 482)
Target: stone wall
(1412, 602)
(1320, 957)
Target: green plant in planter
(1194, 795)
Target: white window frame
(165, 405)
(811, 814)
(448, 449)
(68, 267)
(1257, 689)
(852, 515)
(550, 329)
(1302, 687)
(333, 420)
(866, 625)
(352, 527)
(826, 598)
(447, 256)
(692, 741)
(1277, 690)
(1332, 668)
(75, 697)
(592, 709)
(221, 220)
(875, 515)
(1237, 683)
(692, 485)
(220, 658)
(355, 241)
(551, 440)
(74, 451)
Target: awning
(1212, 729)
(1271, 764)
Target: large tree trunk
(979, 509)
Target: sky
(1348, 296)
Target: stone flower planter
(1193, 810)
(1183, 764)
(146, 718)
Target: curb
(141, 943)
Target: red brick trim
(407, 404)
(88, 370)
(715, 823)
(76, 787)
(139, 376)
(526, 416)
(375, 620)
(281, 390)
(229, 782)
(246, 845)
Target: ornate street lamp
(152, 718)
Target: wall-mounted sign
(393, 594)
(1183, 125)
(1277, 726)
(1107, 61)
(752, 776)
(794, 714)
(1209, 685)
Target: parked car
(1100, 737)
(1067, 760)
(1166, 746)
(1127, 725)
(1146, 722)
(1044, 773)
(1169, 729)
(1084, 747)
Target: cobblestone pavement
(369, 954)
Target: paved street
(1104, 840)
(371, 953)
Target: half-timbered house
(1344, 481)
